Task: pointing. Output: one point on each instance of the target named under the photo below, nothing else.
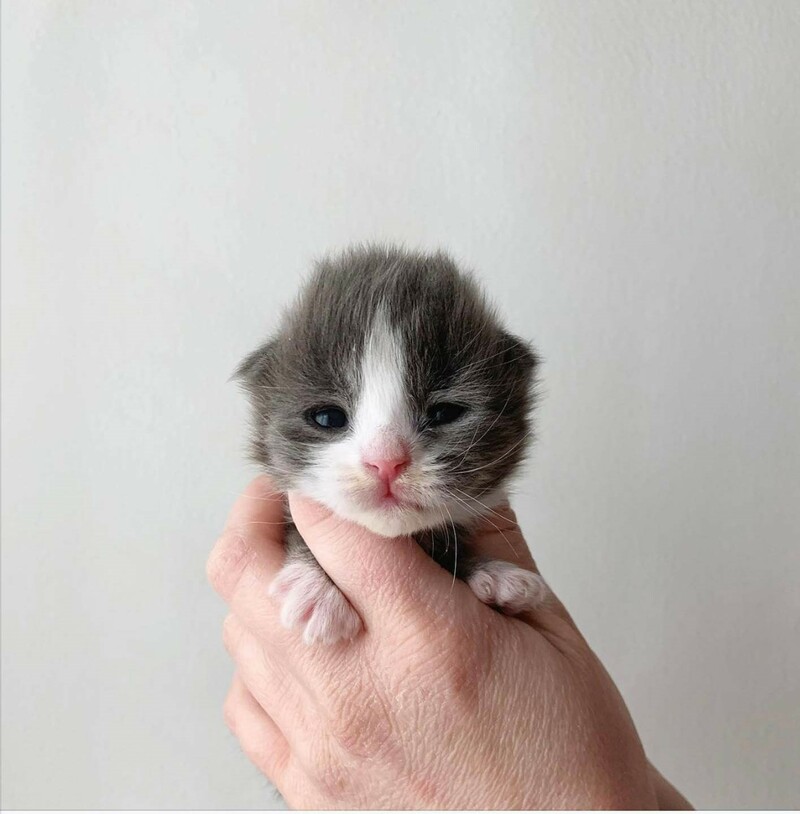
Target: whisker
(479, 362)
(455, 548)
(467, 496)
(267, 499)
(484, 517)
(485, 432)
(447, 532)
(499, 458)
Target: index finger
(252, 541)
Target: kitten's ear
(521, 354)
(256, 369)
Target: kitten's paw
(508, 587)
(309, 599)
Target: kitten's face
(391, 394)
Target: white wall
(626, 178)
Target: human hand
(441, 703)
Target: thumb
(381, 576)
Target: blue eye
(444, 413)
(330, 418)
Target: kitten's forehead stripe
(382, 401)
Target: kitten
(392, 395)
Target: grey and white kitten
(392, 395)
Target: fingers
(249, 553)
(258, 735)
(381, 576)
(253, 537)
(279, 691)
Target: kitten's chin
(397, 523)
(401, 521)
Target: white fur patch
(310, 600)
(507, 586)
(382, 402)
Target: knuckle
(229, 712)
(466, 649)
(227, 562)
(331, 777)
(360, 721)
(297, 789)
(460, 682)
(232, 632)
(455, 663)
(362, 730)
(266, 756)
(465, 667)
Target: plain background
(625, 177)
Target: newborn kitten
(392, 395)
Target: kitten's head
(391, 394)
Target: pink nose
(387, 469)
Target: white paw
(508, 587)
(309, 599)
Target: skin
(441, 703)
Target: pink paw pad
(508, 587)
(310, 600)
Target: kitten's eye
(331, 418)
(444, 413)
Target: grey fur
(457, 351)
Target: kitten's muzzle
(387, 470)
(386, 458)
